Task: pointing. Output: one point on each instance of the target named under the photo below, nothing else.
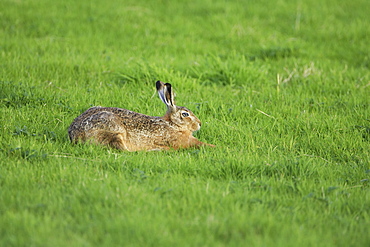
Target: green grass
(282, 89)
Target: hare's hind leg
(112, 139)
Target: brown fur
(127, 130)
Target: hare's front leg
(194, 142)
(187, 141)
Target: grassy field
(282, 89)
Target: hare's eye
(185, 114)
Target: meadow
(281, 87)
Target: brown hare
(127, 130)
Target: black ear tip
(158, 84)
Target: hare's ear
(165, 93)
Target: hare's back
(97, 117)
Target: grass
(282, 89)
